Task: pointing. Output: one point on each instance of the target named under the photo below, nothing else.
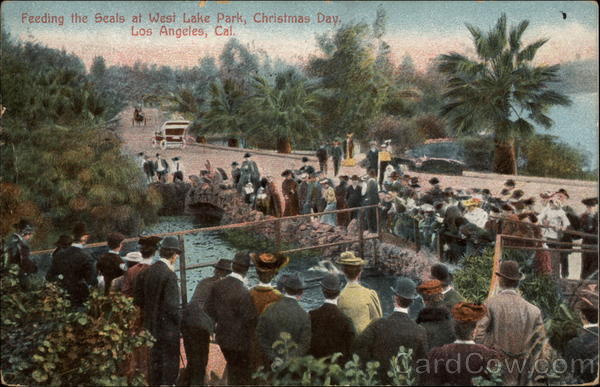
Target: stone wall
(301, 232)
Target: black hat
(286, 172)
(63, 241)
(434, 181)
(486, 191)
(415, 186)
(509, 183)
(171, 242)
(529, 202)
(564, 192)
(310, 170)
(440, 272)
(406, 288)
(223, 264)
(149, 241)
(79, 230)
(590, 202)
(510, 270)
(176, 158)
(448, 190)
(355, 178)
(414, 179)
(331, 282)
(304, 159)
(507, 207)
(247, 155)
(235, 164)
(242, 258)
(114, 238)
(141, 154)
(504, 192)
(293, 281)
(517, 194)
(495, 209)
(24, 226)
(158, 154)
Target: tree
(353, 90)
(501, 92)
(238, 64)
(285, 111)
(225, 111)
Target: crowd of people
(452, 340)
(431, 318)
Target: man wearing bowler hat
(331, 330)
(230, 306)
(383, 337)
(512, 326)
(18, 251)
(285, 315)
(76, 266)
(110, 264)
(157, 294)
(197, 326)
(359, 303)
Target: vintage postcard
(299, 192)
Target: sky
(421, 29)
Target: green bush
(473, 279)
(308, 371)
(45, 341)
(545, 155)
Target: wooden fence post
(182, 268)
(361, 242)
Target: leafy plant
(308, 371)
(473, 279)
(45, 341)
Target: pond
(211, 246)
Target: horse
(138, 117)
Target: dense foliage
(473, 282)
(45, 341)
(309, 371)
(58, 153)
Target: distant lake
(577, 125)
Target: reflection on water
(209, 247)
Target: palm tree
(285, 111)
(501, 93)
(225, 112)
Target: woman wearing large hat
(359, 303)
(461, 361)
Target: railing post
(375, 257)
(278, 235)
(182, 267)
(417, 234)
(361, 242)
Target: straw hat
(348, 258)
(430, 287)
(134, 256)
(268, 261)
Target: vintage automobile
(171, 135)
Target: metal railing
(183, 267)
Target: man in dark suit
(110, 264)
(354, 195)
(197, 326)
(157, 294)
(370, 192)
(322, 156)
(581, 352)
(77, 267)
(18, 251)
(331, 330)
(285, 315)
(383, 337)
(373, 157)
(236, 173)
(336, 156)
(231, 308)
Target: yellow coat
(361, 304)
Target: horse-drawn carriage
(171, 135)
